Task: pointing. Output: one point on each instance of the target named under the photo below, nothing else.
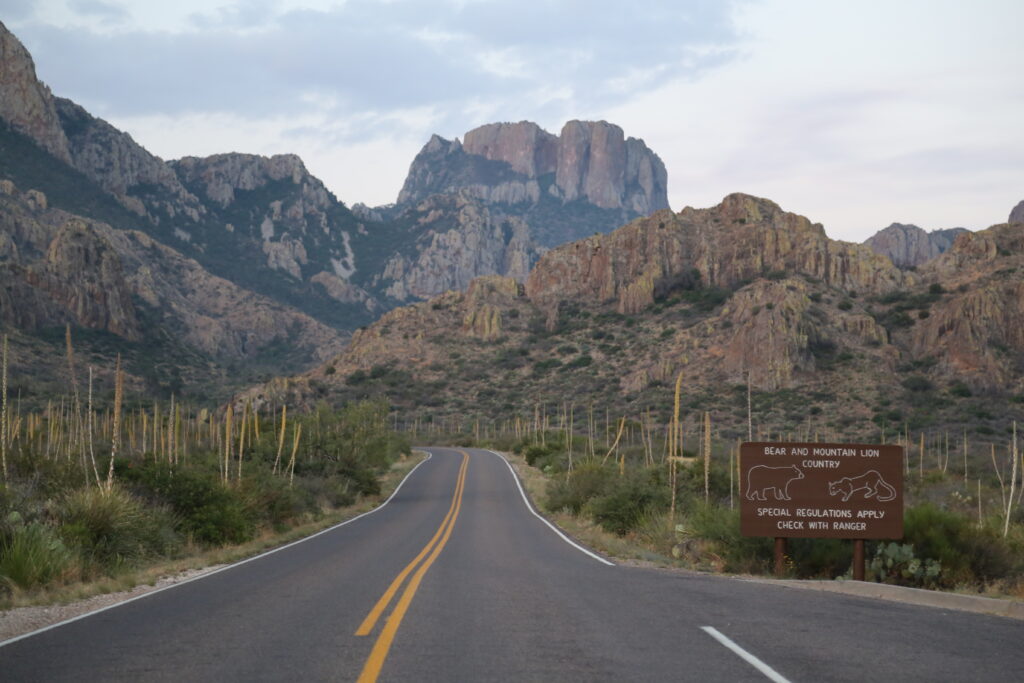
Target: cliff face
(273, 208)
(909, 246)
(590, 161)
(120, 166)
(457, 238)
(25, 103)
(976, 329)
(59, 268)
(741, 239)
(57, 274)
(545, 189)
(1017, 214)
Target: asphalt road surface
(456, 579)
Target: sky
(856, 114)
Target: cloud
(18, 10)
(254, 60)
(107, 11)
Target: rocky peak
(739, 240)
(505, 163)
(25, 103)
(525, 146)
(1017, 215)
(118, 164)
(220, 175)
(909, 246)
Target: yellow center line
(371, 619)
(372, 668)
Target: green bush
(111, 529)
(31, 554)
(917, 383)
(627, 500)
(208, 511)
(820, 558)
(721, 526)
(540, 456)
(968, 555)
(573, 492)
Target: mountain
(125, 244)
(263, 223)
(125, 292)
(489, 206)
(25, 103)
(827, 333)
(545, 190)
(520, 163)
(1017, 214)
(908, 246)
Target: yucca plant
(31, 554)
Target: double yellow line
(371, 670)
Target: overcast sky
(854, 113)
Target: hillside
(180, 328)
(232, 260)
(908, 246)
(831, 337)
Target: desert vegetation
(92, 487)
(669, 491)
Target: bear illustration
(761, 479)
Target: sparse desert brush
(111, 529)
(32, 554)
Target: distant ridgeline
(264, 230)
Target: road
(483, 590)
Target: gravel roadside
(21, 620)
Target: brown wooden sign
(821, 490)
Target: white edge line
(750, 659)
(536, 514)
(222, 569)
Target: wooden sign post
(821, 490)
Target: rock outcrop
(591, 161)
(457, 239)
(25, 103)
(739, 240)
(530, 190)
(275, 204)
(59, 268)
(908, 246)
(120, 166)
(65, 273)
(976, 329)
(1017, 214)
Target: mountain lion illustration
(870, 482)
(761, 479)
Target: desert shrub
(575, 491)
(820, 558)
(721, 526)
(627, 500)
(544, 456)
(917, 383)
(960, 389)
(968, 555)
(208, 511)
(111, 529)
(273, 502)
(31, 554)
